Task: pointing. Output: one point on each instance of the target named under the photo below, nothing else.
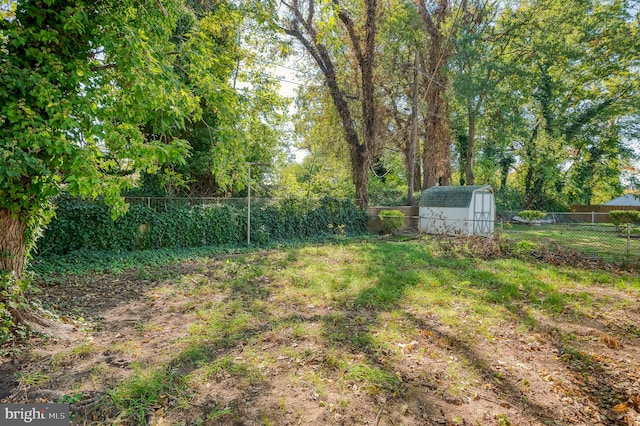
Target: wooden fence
(599, 212)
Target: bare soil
(129, 319)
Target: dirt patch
(264, 357)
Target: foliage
(11, 298)
(391, 220)
(324, 171)
(66, 120)
(532, 215)
(6, 321)
(618, 217)
(341, 40)
(89, 98)
(237, 125)
(508, 199)
(88, 225)
(574, 85)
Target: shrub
(391, 220)
(531, 215)
(620, 217)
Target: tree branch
(162, 9)
(103, 67)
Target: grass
(601, 240)
(82, 350)
(342, 320)
(35, 379)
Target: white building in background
(468, 210)
(627, 200)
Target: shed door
(482, 213)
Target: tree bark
(12, 255)
(360, 173)
(531, 191)
(12, 243)
(436, 158)
(413, 139)
(471, 139)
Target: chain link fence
(169, 203)
(599, 240)
(590, 234)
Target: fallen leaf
(621, 408)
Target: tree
(325, 170)
(242, 113)
(436, 157)
(576, 64)
(473, 78)
(88, 98)
(401, 40)
(332, 31)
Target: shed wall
(444, 220)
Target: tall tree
(577, 63)
(436, 158)
(327, 31)
(80, 82)
(473, 77)
(402, 38)
(242, 113)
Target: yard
(602, 241)
(374, 332)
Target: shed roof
(450, 196)
(625, 200)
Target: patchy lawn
(603, 241)
(373, 333)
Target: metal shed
(469, 210)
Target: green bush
(81, 225)
(391, 220)
(620, 217)
(532, 215)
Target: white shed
(470, 210)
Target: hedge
(391, 220)
(619, 217)
(88, 225)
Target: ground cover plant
(414, 332)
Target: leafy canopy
(89, 96)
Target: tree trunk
(12, 243)
(411, 151)
(360, 173)
(301, 26)
(436, 158)
(471, 139)
(505, 166)
(531, 194)
(12, 255)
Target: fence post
(628, 239)
(593, 218)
